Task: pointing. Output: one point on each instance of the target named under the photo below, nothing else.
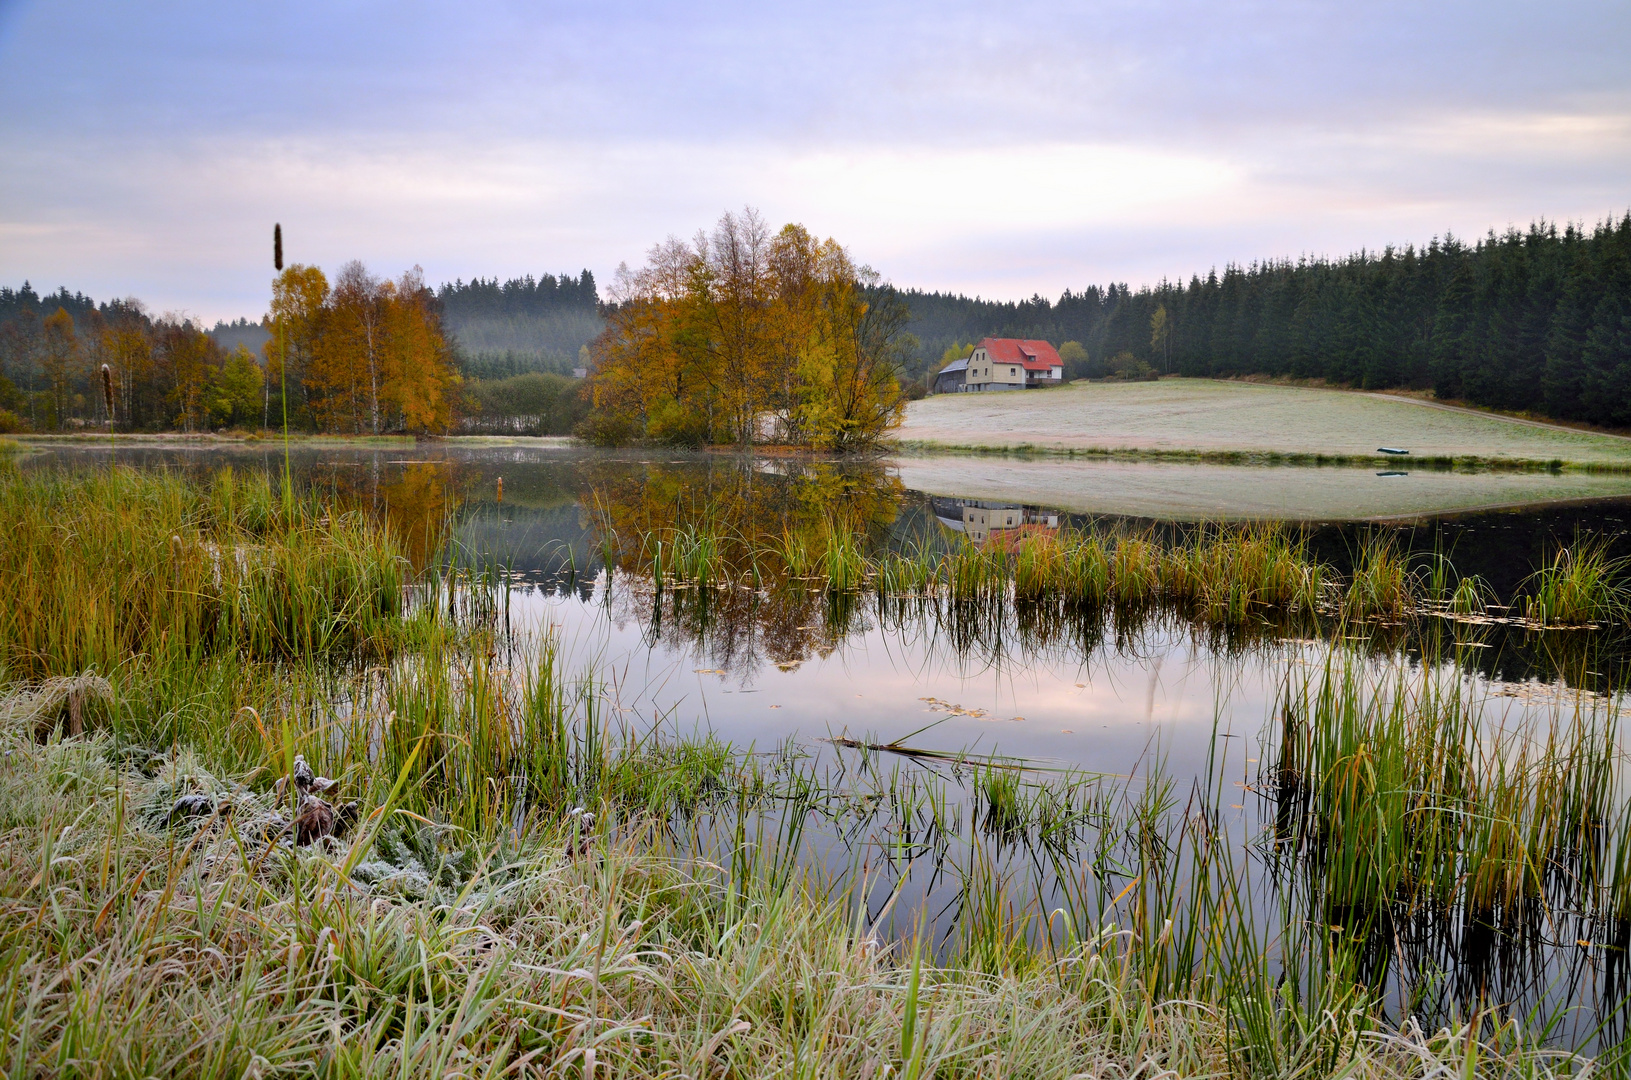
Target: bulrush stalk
(107, 400)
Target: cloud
(960, 146)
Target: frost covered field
(1199, 491)
(1209, 415)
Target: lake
(1104, 716)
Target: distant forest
(523, 325)
(1536, 320)
(1533, 320)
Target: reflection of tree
(740, 630)
(749, 507)
(417, 501)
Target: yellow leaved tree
(745, 336)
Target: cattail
(107, 390)
(277, 247)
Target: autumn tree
(743, 334)
(1160, 333)
(1074, 355)
(299, 303)
(374, 355)
(418, 378)
(127, 346)
(653, 371)
(60, 361)
(846, 392)
(186, 359)
(233, 394)
(341, 377)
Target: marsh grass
(99, 567)
(912, 572)
(1215, 574)
(479, 922)
(1383, 585)
(1582, 584)
(213, 956)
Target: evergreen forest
(1529, 320)
(522, 325)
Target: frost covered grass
(534, 886)
(1204, 419)
(133, 946)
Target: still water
(1123, 696)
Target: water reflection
(1143, 731)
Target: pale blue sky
(1000, 149)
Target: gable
(1035, 355)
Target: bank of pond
(296, 779)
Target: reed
(695, 555)
(1582, 584)
(1383, 585)
(797, 555)
(1136, 570)
(101, 567)
(913, 572)
(843, 564)
(1084, 572)
(1230, 575)
(1401, 799)
(977, 572)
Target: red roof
(1035, 355)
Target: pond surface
(1121, 696)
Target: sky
(994, 149)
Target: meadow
(511, 877)
(1203, 491)
(1223, 421)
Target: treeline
(164, 373)
(365, 355)
(522, 325)
(747, 336)
(1538, 319)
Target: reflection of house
(950, 379)
(981, 521)
(1013, 364)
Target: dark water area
(1107, 716)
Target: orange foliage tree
(368, 355)
(745, 336)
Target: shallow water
(1125, 696)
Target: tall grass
(1582, 584)
(98, 567)
(1383, 586)
(538, 883)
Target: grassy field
(1204, 415)
(1186, 491)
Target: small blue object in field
(1390, 450)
